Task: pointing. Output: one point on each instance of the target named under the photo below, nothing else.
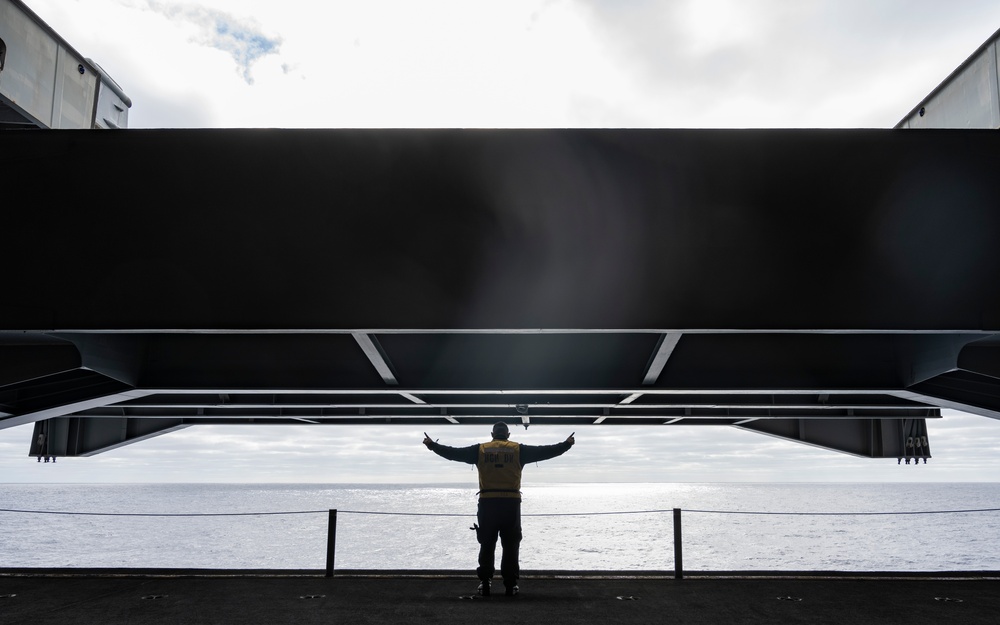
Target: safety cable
(441, 514)
(847, 513)
(163, 514)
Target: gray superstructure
(968, 98)
(45, 83)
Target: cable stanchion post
(678, 546)
(331, 542)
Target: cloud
(241, 38)
(523, 63)
(771, 63)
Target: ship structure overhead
(833, 288)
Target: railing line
(162, 514)
(445, 514)
(846, 513)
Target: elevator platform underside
(835, 288)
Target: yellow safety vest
(499, 469)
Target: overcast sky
(523, 63)
(517, 63)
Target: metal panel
(502, 282)
(44, 82)
(28, 78)
(72, 436)
(112, 103)
(968, 98)
(959, 390)
(75, 92)
(713, 230)
(511, 361)
(27, 360)
(60, 410)
(982, 357)
(868, 438)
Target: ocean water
(641, 540)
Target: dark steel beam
(67, 408)
(868, 438)
(117, 356)
(961, 390)
(653, 230)
(981, 357)
(658, 360)
(838, 281)
(26, 357)
(374, 413)
(75, 436)
(376, 355)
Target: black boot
(484, 588)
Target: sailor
(499, 463)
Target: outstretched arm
(459, 454)
(537, 453)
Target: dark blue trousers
(499, 517)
